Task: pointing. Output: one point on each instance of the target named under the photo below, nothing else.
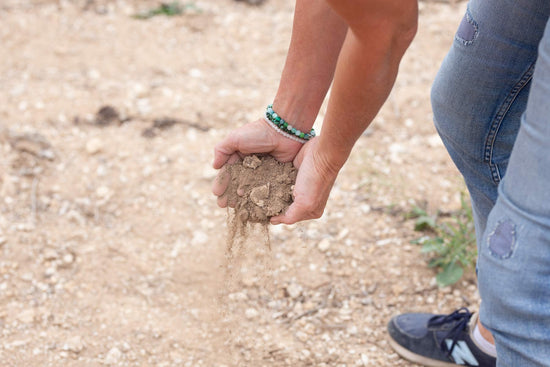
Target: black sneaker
(438, 340)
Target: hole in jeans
(503, 239)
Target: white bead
(286, 135)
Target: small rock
(352, 330)
(324, 245)
(149, 133)
(195, 73)
(113, 356)
(74, 344)
(106, 115)
(76, 217)
(259, 194)
(17, 344)
(251, 313)
(50, 254)
(26, 316)
(103, 192)
(94, 74)
(398, 289)
(50, 271)
(294, 290)
(126, 347)
(165, 123)
(94, 146)
(301, 336)
(199, 238)
(34, 144)
(252, 161)
(68, 259)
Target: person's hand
(313, 184)
(315, 174)
(255, 137)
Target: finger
(221, 182)
(224, 151)
(255, 137)
(222, 201)
(234, 158)
(288, 217)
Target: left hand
(313, 184)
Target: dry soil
(112, 248)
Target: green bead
(302, 135)
(285, 124)
(278, 118)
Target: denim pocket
(467, 30)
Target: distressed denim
(491, 102)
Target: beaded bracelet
(287, 135)
(285, 128)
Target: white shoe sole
(416, 358)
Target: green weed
(167, 9)
(450, 241)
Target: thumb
(288, 217)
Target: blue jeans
(491, 102)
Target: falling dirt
(260, 187)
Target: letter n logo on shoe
(461, 353)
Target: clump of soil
(260, 188)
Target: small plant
(167, 9)
(452, 243)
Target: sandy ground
(112, 246)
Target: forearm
(317, 37)
(366, 71)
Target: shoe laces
(459, 318)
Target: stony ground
(112, 246)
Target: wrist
(286, 128)
(335, 152)
(296, 111)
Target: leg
(478, 98)
(514, 262)
(481, 91)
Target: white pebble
(113, 356)
(251, 313)
(94, 146)
(294, 290)
(324, 245)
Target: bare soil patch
(112, 247)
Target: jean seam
(497, 121)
